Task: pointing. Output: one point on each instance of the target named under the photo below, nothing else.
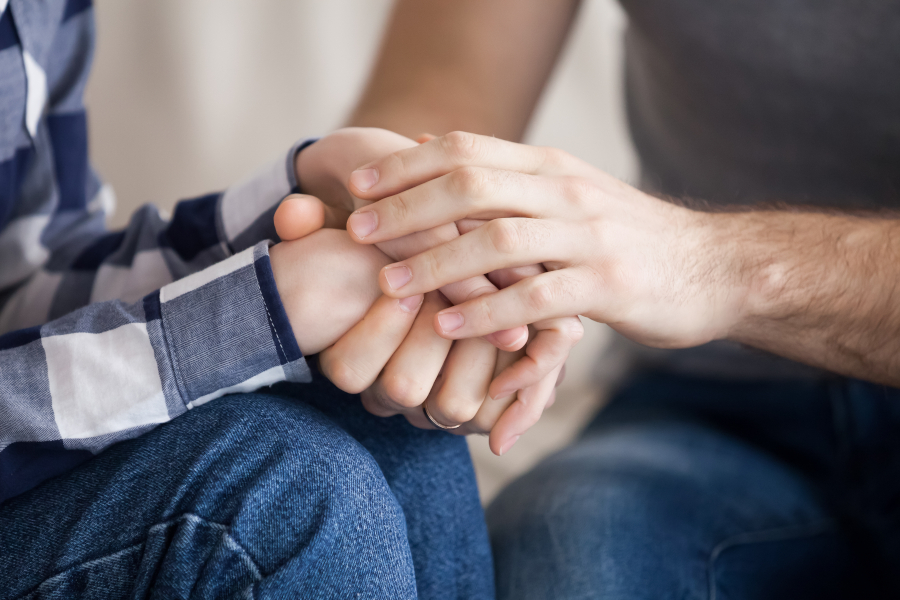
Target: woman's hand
(327, 284)
(646, 267)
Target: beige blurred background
(188, 96)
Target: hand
(323, 169)
(396, 368)
(652, 270)
(394, 358)
(327, 283)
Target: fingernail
(509, 337)
(397, 277)
(410, 304)
(364, 179)
(450, 321)
(505, 448)
(363, 223)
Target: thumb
(299, 215)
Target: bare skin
(464, 64)
(399, 364)
(817, 288)
(811, 287)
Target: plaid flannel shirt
(107, 335)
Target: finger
(406, 168)
(464, 226)
(492, 408)
(552, 400)
(509, 340)
(299, 215)
(375, 405)
(503, 278)
(547, 296)
(547, 352)
(522, 414)
(500, 244)
(466, 377)
(459, 291)
(410, 373)
(425, 137)
(468, 193)
(356, 359)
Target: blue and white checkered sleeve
(92, 265)
(111, 371)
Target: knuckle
(580, 191)
(401, 207)
(485, 312)
(616, 275)
(598, 230)
(347, 377)
(573, 329)
(428, 267)
(463, 147)
(404, 391)
(504, 235)
(554, 157)
(373, 404)
(540, 296)
(456, 412)
(470, 183)
(395, 164)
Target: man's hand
(614, 254)
(811, 287)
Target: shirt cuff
(225, 330)
(246, 209)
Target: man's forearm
(464, 65)
(820, 289)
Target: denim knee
(638, 511)
(280, 470)
(248, 494)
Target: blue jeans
(295, 492)
(687, 488)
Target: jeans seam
(226, 532)
(224, 529)
(80, 564)
(763, 535)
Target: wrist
(326, 283)
(753, 245)
(737, 270)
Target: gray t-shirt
(755, 101)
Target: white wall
(189, 95)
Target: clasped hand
(394, 356)
(659, 273)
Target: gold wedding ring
(433, 422)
